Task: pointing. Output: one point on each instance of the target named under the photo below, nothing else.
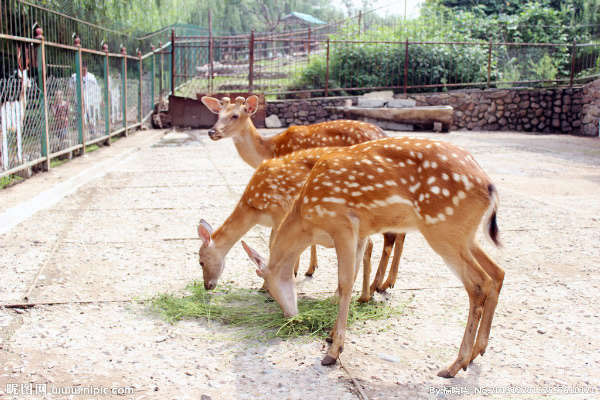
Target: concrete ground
(120, 224)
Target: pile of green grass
(260, 317)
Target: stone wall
(552, 110)
(529, 110)
(309, 111)
(590, 114)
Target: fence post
(573, 53)
(327, 71)
(153, 73)
(251, 62)
(140, 67)
(211, 55)
(80, 99)
(160, 69)
(489, 72)
(124, 86)
(308, 49)
(106, 95)
(39, 34)
(359, 21)
(173, 62)
(405, 67)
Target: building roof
(304, 17)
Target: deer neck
(288, 244)
(253, 147)
(235, 226)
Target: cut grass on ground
(260, 317)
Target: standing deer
(403, 184)
(235, 121)
(268, 197)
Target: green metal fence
(61, 93)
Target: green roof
(304, 17)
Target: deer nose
(209, 285)
(212, 133)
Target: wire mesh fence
(56, 99)
(61, 97)
(310, 63)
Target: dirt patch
(130, 234)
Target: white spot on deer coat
(338, 200)
(414, 187)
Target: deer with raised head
(267, 198)
(235, 121)
(403, 184)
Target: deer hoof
(364, 299)
(445, 374)
(328, 360)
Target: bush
(312, 77)
(372, 66)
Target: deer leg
(366, 292)
(497, 275)
(393, 273)
(364, 246)
(313, 261)
(346, 252)
(388, 244)
(478, 285)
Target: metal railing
(309, 64)
(58, 98)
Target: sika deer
(267, 198)
(403, 184)
(235, 121)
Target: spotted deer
(267, 198)
(402, 184)
(235, 121)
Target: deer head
(210, 260)
(233, 117)
(279, 285)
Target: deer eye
(201, 264)
(235, 116)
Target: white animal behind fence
(114, 85)
(92, 97)
(13, 92)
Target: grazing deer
(403, 184)
(267, 198)
(235, 121)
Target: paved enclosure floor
(125, 229)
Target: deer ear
(205, 231)
(213, 105)
(252, 105)
(256, 258)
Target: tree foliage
(228, 16)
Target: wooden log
(411, 115)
